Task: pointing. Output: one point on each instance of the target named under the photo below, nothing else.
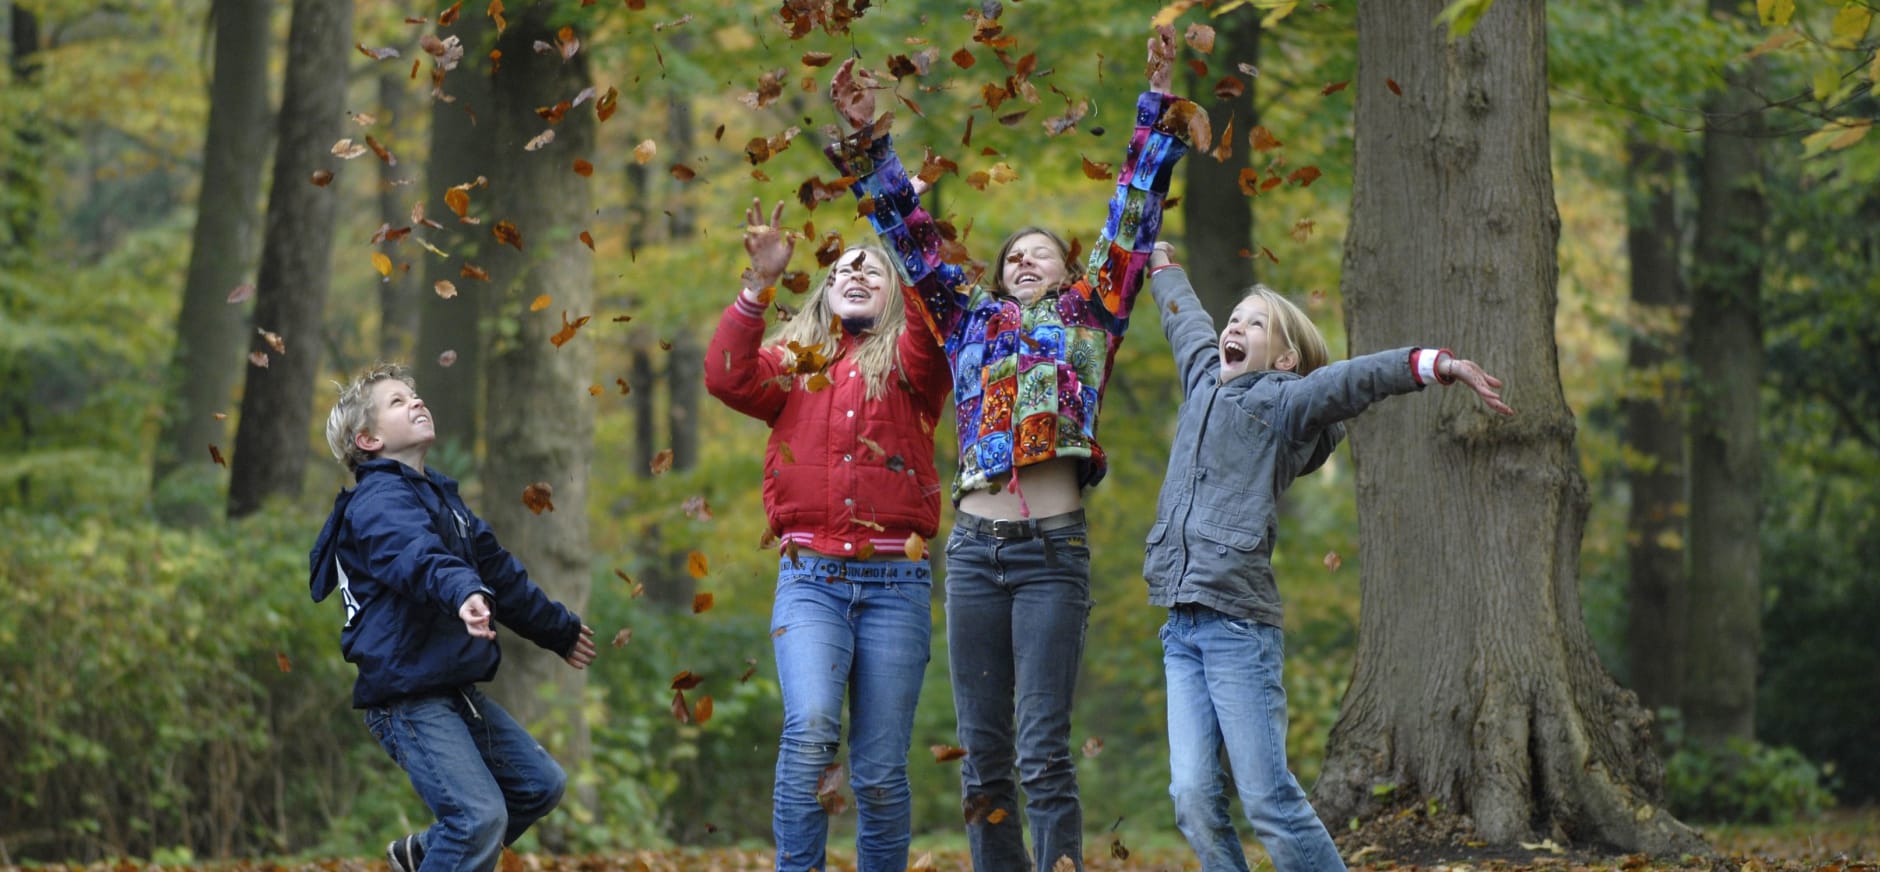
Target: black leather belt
(1021, 528)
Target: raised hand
(768, 244)
(853, 92)
(1484, 385)
(1161, 58)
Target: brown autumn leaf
(605, 106)
(1302, 229)
(1334, 88)
(321, 178)
(1200, 37)
(701, 602)
(539, 497)
(587, 239)
(1304, 176)
(583, 168)
(273, 340)
(947, 753)
(377, 54)
(624, 390)
(241, 293)
(215, 454)
(1249, 181)
(662, 461)
(816, 58)
(998, 815)
(697, 565)
(915, 547)
(697, 508)
(1093, 746)
(1224, 148)
(685, 680)
(1268, 253)
(795, 282)
(567, 41)
(750, 669)
(829, 790)
(683, 173)
(964, 59)
(282, 663)
(495, 12)
(1394, 87)
(679, 711)
(594, 390)
(568, 329)
(623, 637)
(385, 154)
(866, 551)
(472, 271)
(1262, 139)
(783, 450)
(1097, 171)
(1228, 88)
(702, 710)
(1333, 561)
(449, 16)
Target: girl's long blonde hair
(876, 352)
(1292, 327)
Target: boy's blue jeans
(864, 629)
(479, 771)
(1224, 689)
(1017, 610)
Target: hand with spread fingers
(769, 245)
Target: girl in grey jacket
(1261, 406)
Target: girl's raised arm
(737, 371)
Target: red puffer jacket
(826, 486)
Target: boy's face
(1246, 343)
(402, 425)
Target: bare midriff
(1048, 488)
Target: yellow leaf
(1850, 24)
(696, 564)
(540, 303)
(1279, 11)
(1461, 16)
(382, 263)
(1827, 81)
(1775, 13)
(1002, 172)
(914, 547)
(1853, 134)
(1669, 540)
(1166, 17)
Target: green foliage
(1747, 782)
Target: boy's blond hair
(353, 413)
(1293, 329)
(877, 353)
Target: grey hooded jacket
(1237, 447)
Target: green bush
(1741, 781)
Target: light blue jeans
(484, 777)
(1017, 610)
(1224, 689)
(861, 629)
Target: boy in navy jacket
(424, 581)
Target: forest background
(208, 220)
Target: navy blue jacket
(405, 553)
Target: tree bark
(1654, 414)
(1475, 685)
(460, 151)
(544, 431)
(296, 258)
(1724, 624)
(208, 356)
(1217, 218)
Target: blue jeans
(484, 777)
(1224, 689)
(1016, 614)
(864, 628)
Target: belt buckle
(1008, 529)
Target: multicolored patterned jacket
(1027, 380)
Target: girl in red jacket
(851, 388)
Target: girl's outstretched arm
(737, 371)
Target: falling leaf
(947, 753)
(1118, 850)
(1302, 229)
(495, 13)
(1200, 37)
(382, 263)
(587, 239)
(321, 178)
(1304, 176)
(697, 508)
(679, 711)
(1268, 253)
(702, 710)
(683, 173)
(783, 450)
(998, 816)
(624, 390)
(697, 565)
(541, 139)
(1393, 86)
(645, 151)
(1249, 181)
(1262, 139)
(750, 669)
(447, 358)
(541, 302)
(623, 637)
(449, 16)
(829, 790)
(472, 271)
(1333, 561)
(915, 547)
(583, 168)
(220, 416)
(377, 54)
(539, 497)
(273, 340)
(242, 293)
(1093, 746)
(565, 38)
(281, 662)
(594, 390)
(568, 329)
(1334, 87)
(385, 154)
(662, 461)
(346, 149)
(445, 288)
(1094, 170)
(701, 602)
(215, 454)
(816, 58)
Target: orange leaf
(865, 551)
(1393, 86)
(623, 637)
(964, 59)
(382, 263)
(685, 680)
(1249, 181)
(915, 547)
(539, 497)
(1228, 88)
(507, 234)
(997, 816)
(816, 58)
(541, 302)
(662, 461)
(1304, 176)
(273, 340)
(583, 168)
(702, 710)
(568, 328)
(947, 753)
(697, 565)
(605, 106)
(1334, 87)
(1200, 37)
(1262, 139)
(683, 173)
(587, 239)
(215, 454)
(472, 271)
(458, 200)
(281, 662)
(701, 602)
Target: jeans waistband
(858, 570)
(1022, 528)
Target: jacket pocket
(1157, 533)
(1237, 538)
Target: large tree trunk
(1219, 218)
(1475, 684)
(540, 427)
(460, 151)
(1724, 625)
(296, 261)
(208, 354)
(1654, 415)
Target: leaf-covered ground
(1840, 841)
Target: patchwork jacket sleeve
(1118, 263)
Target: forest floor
(1846, 840)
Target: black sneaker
(405, 853)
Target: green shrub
(1741, 781)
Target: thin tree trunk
(546, 430)
(22, 174)
(1654, 410)
(449, 356)
(684, 386)
(208, 355)
(296, 258)
(398, 305)
(1218, 217)
(1475, 684)
(1724, 624)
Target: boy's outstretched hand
(475, 613)
(584, 650)
(1484, 385)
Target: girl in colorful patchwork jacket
(852, 388)
(1030, 358)
(1260, 407)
